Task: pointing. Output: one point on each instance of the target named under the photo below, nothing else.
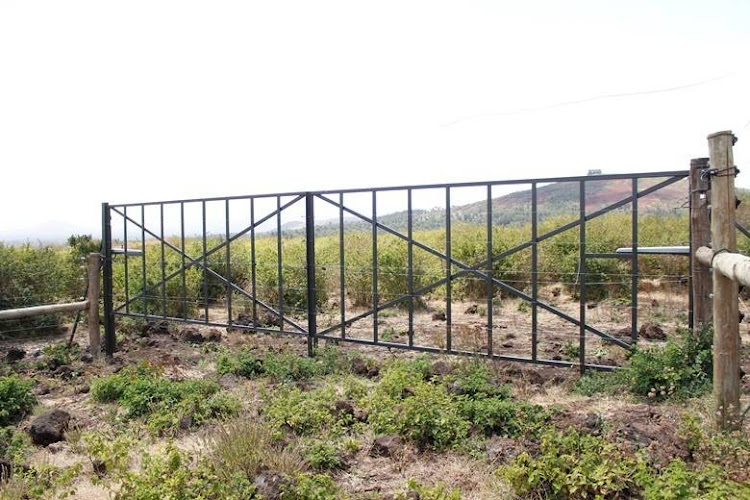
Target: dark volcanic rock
(190, 334)
(385, 446)
(6, 470)
(439, 316)
(652, 331)
(49, 427)
(14, 354)
(440, 369)
(472, 309)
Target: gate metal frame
(482, 269)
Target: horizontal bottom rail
(435, 350)
(27, 312)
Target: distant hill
(555, 199)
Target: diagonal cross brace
(466, 269)
(201, 262)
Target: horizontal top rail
(544, 180)
(734, 266)
(27, 312)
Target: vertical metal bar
(312, 325)
(582, 275)
(182, 247)
(342, 268)
(534, 273)
(253, 282)
(490, 287)
(163, 263)
(280, 269)
(144, 282)
(229, 264)
(374, 266)
(691, 304)
(448, 268)
(125, 258)
(109, 317)
(410, 264)
(634, 276)
(205, 265)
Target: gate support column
(311, 291)
(725, 307)
(700, 236)
(109, 318)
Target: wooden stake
(700, 236)
(93, 301)
(725, 308)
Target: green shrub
(502, 416)
(324, 455)
(244, 364)
(303, 412)
(16, 399)
(165, 404)
(678, 481)
(291, 367)
(681, 369)
(573, 465)
(310, 487)
(174, 476)
(474, 378)
(440, 491)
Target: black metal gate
(156, 270)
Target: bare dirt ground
(639, 425)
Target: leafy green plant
(324, 455)
(439, 491)
(175, 475)
(307, 486)
(244, 364)
(166, 405)
(284, 404)
(16, 399)
(681, 369)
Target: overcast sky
(140, 100)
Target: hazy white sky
(139, 100)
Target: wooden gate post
(700, 236)
(92, 297)
(725, 307)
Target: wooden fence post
(93, 300)
(725, 290)
(700, 236)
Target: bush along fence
(90, 304)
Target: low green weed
(440, 491)
(244, 364)
(308, 486)
(679, 370)
(16, 399)
(166, 405)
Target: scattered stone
(186, 422)
(592, 305)
(501, 450)
(267, 318)
(244, 319)
(160, 327)
(652, 331)
(6, 470)
(84, 389)
(213, 335)
(556, 291)
(229, 381)
(65, 372)
(49, 427)
(472, 309)
(361, 415)
(36, 353)
(87, 357)
(506, 345)
(625, 331)
(167, 359)
(41, 389)
(385, 446)
(364, 367)
(190, 334)
(438, 316)
(343, 407)
(14, 354)
(654, 303)
(556, 357)
(269, 485)
(100, 467)
(440, 369)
